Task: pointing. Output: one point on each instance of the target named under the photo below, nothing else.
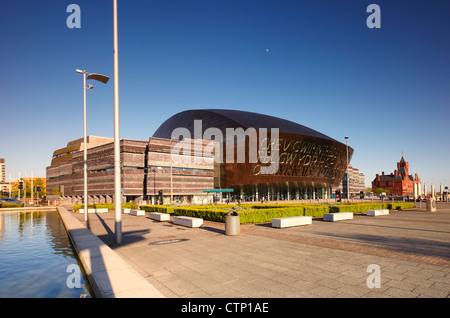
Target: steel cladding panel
(306, 157)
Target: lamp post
(171, 182)
(117, 183)
(171, 166)
(346, 142)
(154, 186)
(104, 79)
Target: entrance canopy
(218, 190)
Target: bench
(89, 210)
(291, 221)
(102, 210)
(338, 216)
(158, 216)
(137, 212)
(126, 211)
(188, 221)
(377, 212)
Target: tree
(56, 191)
(381, 190)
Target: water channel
(37, 259)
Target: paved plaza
(411, 249)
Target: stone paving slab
(109, 275)
(322, 260)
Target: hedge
(400, 205)
(357, 207)
(265, 213)
(109, 206)
(363, 207)
(203, 212)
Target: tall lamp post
(104, 79)
(171, 175)
(117, 181)
(348, 194)
(154, 186)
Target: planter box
(187, 221)
(291, 221)
(137, 212)
(338, 216)
(158, 216)
(89, 211)
(377, 212)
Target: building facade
(309, 162)
(197, 151)
(2, 170)
(4, 187)
(147, 167)
(400, 182)
(356, 183)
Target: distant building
(309, 162)
(356, 182)
(2, 170)
(3, 186)
(400, 182)
(147, 167)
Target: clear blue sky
(313, 62)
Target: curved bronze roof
(227, 118)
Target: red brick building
(399, 183)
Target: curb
(29, 209)
(109, 275)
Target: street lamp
(104, 79)
(171, 178)
(154, 186)
(117, 181)
(346, 142)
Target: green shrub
(357, 207)
(109, 206)
(274, 206)
(266, 215)
(316, 211)
(400, 205)
(76, 207)
(157, 208)
(262, 213)
(204, 212)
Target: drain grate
(168, 242)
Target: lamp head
(99, 77)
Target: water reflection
(34, 254)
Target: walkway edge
(29, 209)
(109, 275)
